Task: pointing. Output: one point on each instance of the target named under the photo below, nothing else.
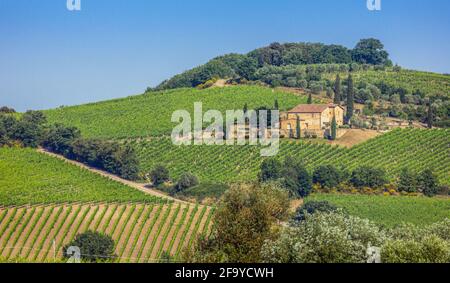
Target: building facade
(315, 120)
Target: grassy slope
(150, 114)
(428, 83)
(28, 177)
(389, 210)
(415, 149)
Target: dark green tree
(310, 101)
(276, 105)
(312, 207)
(186, 181)
(298, 128)
(370, 51)
(407, 181)
(159, 175)
(366, 176)
(350, 98)
(428, 183)
(327, 176)
(333, 129)
(126, 162)
(3, 135)
(59, 138)
(337, 90)
(430, 115)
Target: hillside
(150, 114)
(29, 177)
(142, 232)
(246, 66)
(415, 149)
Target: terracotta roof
(311, 108)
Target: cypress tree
(299, 133)
(333, 129)
(337, 90)
(277, 107)
(350, 99)
(310, 98)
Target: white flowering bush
(429, 249)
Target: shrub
(312, 207)
(204, 191)
(428, 183)
(7, 110)
(93, 246)
(366, 176)
(407, 181)
(430, 249)
(271, 169)
(159, 175)
(296, 178)
(327, 176)
(324, 238)
(187, 180)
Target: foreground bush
(159, 175)
(312, 207)
(324, 238)
(245, 218)
(430, 249)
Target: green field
(391, 210)
(428, 83)
(150, 114)
(29, 177)
(415, 149)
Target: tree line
(246, 229)
(32, 130)
(237, 66)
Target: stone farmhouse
(315, 120)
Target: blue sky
(50, 56)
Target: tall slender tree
(299, 133)
(350, 98)
(276, 105)
(333, 129)
(430, 115)
(337, 90)
(310, 99)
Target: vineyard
(428, 83)
(391, 211)
(412, 148)
(150, 114)
(142, 232)
(29, 177)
